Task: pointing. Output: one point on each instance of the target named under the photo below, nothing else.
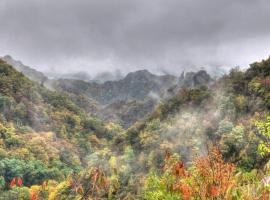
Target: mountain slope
(136, 85)
(27, 71)
(135, 95)
(167, 155)
(43, 130)
(141, 90)
(224, 114)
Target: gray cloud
(98, 35)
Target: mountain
(194, 79)
(140, 90)
(190, 80)
(42, 130)
(28, 104)
(27, 71)
(224, 114)
(124, 101)
(127, 112)
(208, 140)
(137, 85)
(107, 76)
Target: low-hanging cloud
(100, 35)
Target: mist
(96, 36)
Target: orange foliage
(217, 176)
(266, 196)
(185, 191)
(211, 178)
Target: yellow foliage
(54, 194)
(241, 102)
(3, 153)
(94, 139)
(114, 127)
(35, 188)
(22, 153)
(113, 162)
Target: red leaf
(20, 181)
(12, 183)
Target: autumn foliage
(90, 185)
(52, 148)
(217, 177)
(13, 182)
(210, 177)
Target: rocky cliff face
(139, 85)
(194, 79)
(190, 80)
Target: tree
(232, 142)
(264, 133)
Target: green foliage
(155, 189)
(264, 131)
(259, 68)
(33, 172)
(241, 103)
(2, 183)
(233, 142)
(21, 193)
(225, 127)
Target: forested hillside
(44, 135)
(27, 71)
(132, 98)
(206, 140)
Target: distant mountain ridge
(139, 85)
(136, 85)
(27, 71)
(135, 94)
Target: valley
(144, 136)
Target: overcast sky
(100, 35)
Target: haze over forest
(134, 100)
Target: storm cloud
(166, 35)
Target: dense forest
(209, 140)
